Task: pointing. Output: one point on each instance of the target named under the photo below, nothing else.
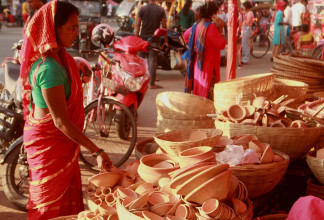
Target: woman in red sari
(54, 113)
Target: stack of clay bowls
(261, 113)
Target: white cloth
(297, 10)
(287, 18)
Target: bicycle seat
(131, 44)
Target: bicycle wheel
(317, 52)
(260, 45)
(100, 128)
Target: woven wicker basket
(181, 117)
(248, 215)
(316, 165)
(242, 89)
(294, 89)
(179, 103)
(314, 188)
(272, 217)
(174, 142)
(295, 142)
(262, 178)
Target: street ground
(169, 80)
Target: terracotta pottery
(320, 153)
(151, 216)
(91, 189)
(217, 188)
(98, 192)
(110, 199)
(298, 124)
(124, 193)
(248, 121)
(257, 145)
(105, 210)
(90, 216)
(234, 183)
(286, 121)
(105, 179)
(250, 110)
(164, 181)
(236, 112)
(261, 102)
(113, 217)
(174, 207)
(145, 188)
(178, 172)
(179, 180)
(164, 164)
(200, 217)
(223, 141)
(244, 140)
(151, 174)
(264, 120)
(201, 178)
(273, 112)
(93, 205)
(182, 211)
(277, 158)
(224, 116)
(156, 198)
(127, 201)
(140, 202)
(239, 206)
(106, 190)
(131, 168)
(267, 156)
(211, 207)
(171, 217)
(277, 124)
(197, 136)
(82, 215)
(257, 117)
(126, 181)
(161, 209)
(196, 155)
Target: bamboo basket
(316, 165)
(242, 90)
(272, 217)
(313, 188)
(295, 142)
(174, 142)
(294, 89)
(181, 117)
(185, 104)
(248, 215)
(165, 125)
(262, 178)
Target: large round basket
(295, 142)
(294, 89)
(185, 104)
(242, 90)
(262, 178)
(272, 217)
(314, 188)
(174, 142)
(316, 165)
(248, 215)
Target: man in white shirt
(297, 12)
(287, 28)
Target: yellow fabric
(307, 37)
(24, 8)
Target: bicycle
(103, 112)
(260, 42)
(318, 50)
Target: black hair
(305, 27)
(63, 11)
(247, 5)
(208, 9)
(186, 7)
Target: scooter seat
(11, 75)
(131, 44)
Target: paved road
(170, 80)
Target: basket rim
(313, 158)
(251, 77)
(279, 81)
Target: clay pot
(250, 110)
(265, 120)
(124, 193)
(236, 112)
(106, 190)
(257, 145)
(145, 188)
(196, 155)
(201, 178)
(105, 210)
(151, 216)
(267, 156)
(277, 158)
(166, 164)
(127, 201)
(185, 212)
(156, 198)
(244, 140)
(234, 182)
(171, 217)
(239, 206)
(197, 136)
(113, 217)
(110, 199)
(91, 189)
(223, 141)
(131, 168)
(210, 207)
(178, 172)
(161, 209)
(164, 181)
(127, 181)
(286, 121)
(140, 202)
(151, 174)
(261, 102)
(174, 207)
(320, 153)
(273, 112)
(277, 124)
(298, 124)
(105, 179)
(216, 187)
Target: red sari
(55, 179)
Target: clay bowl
(156, 198)
(200, 178)
(267, 156)
(298, 124)
(250, 110)
(196, 155)
(105, 210)
(140, 202)
(239, 206)
(216, 187)
(105, 179)
(261, 102)
(236, 112)
(210, 207)
(151, 216)
(172, 217)
(144, 188)
(198, 136)
(161, 209)
(223, 141)
(151, 174)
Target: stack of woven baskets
(300, 68)
(316, 164)
(183, 111)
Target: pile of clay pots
(262, 112)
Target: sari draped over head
(55, 180)
(195, 53)
(280, 6)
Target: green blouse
(186, 21)
(49, 75)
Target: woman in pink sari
(53, 104)
(205, 41)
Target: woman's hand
(103, 161)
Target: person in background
(247, 31)
(306, 15)
(19, 16)
(287, 28)
(54, 113)
(221, 15)
(205, 42)
(278, 34)
(25, 11)
(304, 39)
(34, 5)
(297, 11)
(150, 17)
(186, 16)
